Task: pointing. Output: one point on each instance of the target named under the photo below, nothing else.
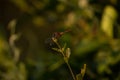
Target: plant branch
(65, 59)
(71, 71)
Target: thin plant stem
(66, 61)
(60, 49)
(71, 71)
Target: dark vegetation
(26, 28)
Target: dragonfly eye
(56, 35)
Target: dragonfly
(56, 35)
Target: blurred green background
(25, 25)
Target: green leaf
(63, 48)
(83, 70)
(68, 52)
(56, 49)
(79, 76)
